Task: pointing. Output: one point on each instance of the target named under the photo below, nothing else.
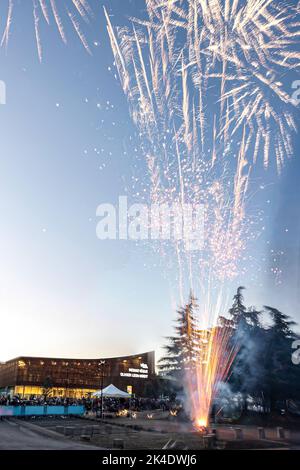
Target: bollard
(69, 431)
(118, 444)
(280, 433)
(238, 433)
(261, 433)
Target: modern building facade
(27, 376)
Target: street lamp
(101, 364)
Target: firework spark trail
(37, 31)
(213, 367)
(204, 142)
(8, 24)
(43, 9)
(215, 356)
(58, 20)
(78, 30)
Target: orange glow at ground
(201, 423)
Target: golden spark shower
(205, 84)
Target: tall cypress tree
(241, 316)
(182, 349)
(238, 310)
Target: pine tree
(182, 348)
(263, 366)
(241, 316)
(282, 379)
(247, 371)
(252, 317)
(238, 310)
(282, 324)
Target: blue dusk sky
(67, 145)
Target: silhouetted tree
(263, 364)
(248, 369)
(182, 348)
(282, 324)
(241, 315)
(238, 310)
(158, 387)
(282, 377)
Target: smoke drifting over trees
(262, 367)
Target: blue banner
(41, 410)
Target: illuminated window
(21, 364)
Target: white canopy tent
(112, 392)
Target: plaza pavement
(16, 437)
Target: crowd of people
(17, 400)
(109, 405)
(114, 405)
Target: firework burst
(51, 11)
(245, 50)
(185, 164)
(204, 83)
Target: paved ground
(155, 433)
(46, 433)
(12, 437)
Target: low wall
(41, 410)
